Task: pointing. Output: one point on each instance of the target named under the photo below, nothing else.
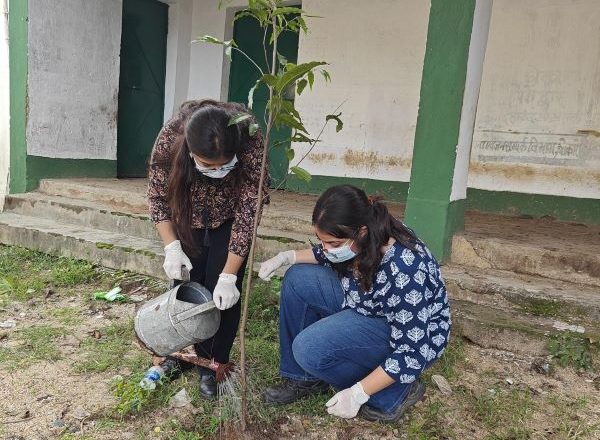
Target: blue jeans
(319, 340)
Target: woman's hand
(175, 259)
(346, 403)
(271, 265)
(226, 293)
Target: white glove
(175, 258)
(271, 265)
(346, 403)
(226, 293)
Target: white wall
(73, 81)
(375, 60)
(540, 91)
(4, 103)
(376, 56)
(178, 54)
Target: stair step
(110, 249)
(523, 293)
(575, 262)
(98, 215)
(113, 249)
(81, 212)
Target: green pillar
(449, 90)
(17, 32)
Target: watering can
(183, 316)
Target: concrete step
(578, 262)
(123, 195)
(525, 293)
(95, 215)
(98, 215)
(105, 247)
(128, 196)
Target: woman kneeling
(365, 311)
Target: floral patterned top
(409, 291)
(214, 200)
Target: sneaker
(172, 368)
(208, 383)
(416, 393)
(291, 390)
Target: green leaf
(311, 78)
(251, 94)
(301, 173)
(236, 119)
(301, 85)
(288, 106)
(287, 10)
(268, 79)
(339, 124)
(299, 137)
(282, 60)
(252, 129)
(295, 73)
(326, 75)
(290, 154)
(290, 121)
(209, 39)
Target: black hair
(207, 133)
(343, 210)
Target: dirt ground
(58, 362)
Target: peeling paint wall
(73, 79)
(4, 103)
(538, 121)
(376, 59)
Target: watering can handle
(193, 312)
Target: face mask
(340, 254)
(217, 173)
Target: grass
(68, 316)
(568, 423)
(112, 352)
(36, 343)
(25, 274)
(570, 348)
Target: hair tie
(374, 199)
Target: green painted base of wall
(17, 31)
(497, 202)
(535, 205)
(393, 191)
(39, 167)
(435, 223)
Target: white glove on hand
(226, 293)
(175, 258)
(271, 265)
(346, 403)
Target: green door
(142, 84)
(242, 76)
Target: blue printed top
(409, 291)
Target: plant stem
(259, 201)
(249, 59)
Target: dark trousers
(207, 265)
